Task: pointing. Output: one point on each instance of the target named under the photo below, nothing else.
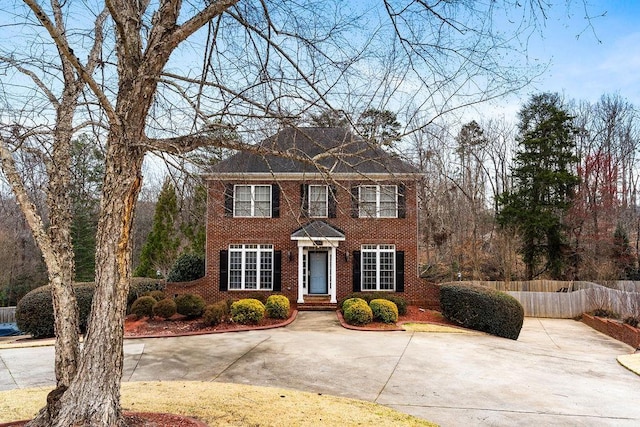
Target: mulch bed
(142, 419)
(180, 325)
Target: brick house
(312, 231)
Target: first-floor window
(378, 267)
(251, 267)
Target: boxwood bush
(143, 307)
(482, 309)
(384, 310)
(165, 308)
(214, 314)
(350, 301)
(247, 311)
(400, 302)
(141, 286)
(277, 307)
(190, 305)
(34, 312)
(358, 313)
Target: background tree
(379, 126)
(161, 248)
(544, 181)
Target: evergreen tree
(622, 255)
(87, 171)
(161, 248)
(379, 126)
(544, 182)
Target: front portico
(317, 251)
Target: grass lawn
(223, 404)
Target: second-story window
(318, 201)
(252, 201)
(378, 201)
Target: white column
(300, 275)
(334, 275)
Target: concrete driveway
(559, 372)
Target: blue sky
(589, 62)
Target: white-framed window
(250, 267)
(378, 267)
(252, 201)
(318, 201)
(378, 201)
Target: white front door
(318, 277)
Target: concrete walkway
(559, 372)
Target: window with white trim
(250, 267)
(378, 267)
(318, 201)
(378, 201)
(252, 201)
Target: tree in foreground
(262, 65)
(544, 182)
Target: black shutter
(304, 199)
(354, 202)
(399, 271)
(402, 201)
(224, 271)
(332, 201)
(275, 201)
(357, 285)
(277, 271)
(228, 200)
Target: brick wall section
(620, 331)
(223, 230)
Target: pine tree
(544, 182)
(161, 248)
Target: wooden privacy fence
(7, 314)
(565, 300)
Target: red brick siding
(620, 331)
(223, 230)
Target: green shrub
(247, 311)
(350, 301)
(187, 267)
(399, 301)
(277, 307)
(190, 305)
(482, 309)
(214, 314)
(143, 307)
(34, 312)
(140, 286)
(156, 295)
(358, 313)
(384, 310)
(165, 308)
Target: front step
(317, 303)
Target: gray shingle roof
(317, 230)
(336, 149)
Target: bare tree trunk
(97, 383)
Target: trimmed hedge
(156, 295)
(143, 307)
(384, 310)
(399, 301)
(277, 307)
(350, 301)
(187, 267)
(165, 308)
(34, 312)
(141, 286)
(190, 305)
(214, 314)
(247, 311)
(482, 309)
(358, 313)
